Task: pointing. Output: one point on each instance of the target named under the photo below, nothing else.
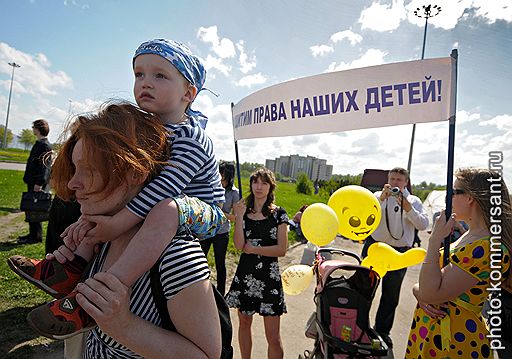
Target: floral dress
(463, 327)
(256, 287)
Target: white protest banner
(376, 96)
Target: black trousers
(35, 229)
(391, 285)
(62, 214)
(220, 247)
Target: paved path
(301, 306)
(12, 166)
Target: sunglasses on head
(458, 191)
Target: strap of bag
(222, 307)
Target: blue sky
(76, 54)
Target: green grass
(17, 298)
(14, 155)
(11, 187)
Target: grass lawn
(14, 155)
(11, 187)
(18, 297)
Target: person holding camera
(402, 213)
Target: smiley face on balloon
(358, 211)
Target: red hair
(120, 138)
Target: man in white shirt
(402, 213)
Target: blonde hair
(479, 183)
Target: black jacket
(38, 165)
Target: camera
(395, 191)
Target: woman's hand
(441, 229)
(107, 300)
(431, 310)
(239, 209)
(249, 248)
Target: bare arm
(239, 209)
(438, 285)
(193, 311)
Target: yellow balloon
(319, 224)
(383, 258)
(410, 258)
(380, 268)
(358, 211)
(296, 279)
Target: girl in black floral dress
(261, 233)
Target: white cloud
(320, 50)
(382, 17)
(346, 34)
(451, 13)
(501, 122)
(34, 76)
(387, 17)
(223, 48)
(371, 57)
(454, 11)
(379, 148)
(246, 63)
(216, 63)
(250, 80)
(494, 10)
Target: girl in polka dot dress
(448, 322)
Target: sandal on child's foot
(54, 278)
(60, 319)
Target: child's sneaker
(54, 278)
(60, 319)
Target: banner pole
(451, 150)
(239, 178)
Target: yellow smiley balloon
(358, 211)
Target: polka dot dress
(468, 330)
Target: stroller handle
(339, 251)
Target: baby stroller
(343, 296)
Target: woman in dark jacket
(37, 174)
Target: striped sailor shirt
(182, 264)
(191, 170)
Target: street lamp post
(14, 65)
(426, 12)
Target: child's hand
(75, 233)
(105, 229)
(61, 255)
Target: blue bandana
(185, 62)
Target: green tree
(247, 168)
(9, 136)
(304, 185)
(27, 137)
